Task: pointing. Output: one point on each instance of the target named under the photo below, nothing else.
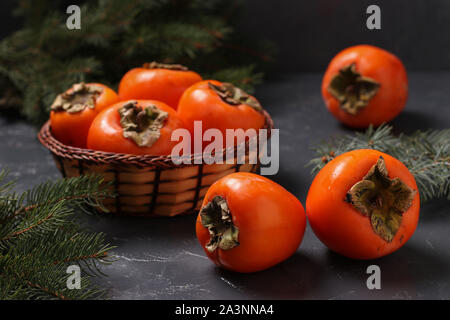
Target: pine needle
(425, 153)
(40, 238)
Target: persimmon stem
(217, 218)
(234, 96)
(382, 199)
(142, 125)
(352, 90)
(78, 98)
(157, 65)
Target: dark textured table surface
(161, 259)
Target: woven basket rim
(61, 150)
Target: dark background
(307, 33)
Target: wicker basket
(144, 185)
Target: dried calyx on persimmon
(158, 65)
(352, 90)
(76, 99)
(382, 199)
(216, 217)
(142, 125)
(234, 95)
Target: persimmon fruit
(73, 111)
(249, 223)
(135, 127)
(363, 204)
(220, 105)
(365, 85)
(157, 81)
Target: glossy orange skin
(338, 224)
(380, 65)
(106, 133)
(271, 222)
(201, 103)
(72, 128)
(156, 84)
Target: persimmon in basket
(135, 127)
(220, 105)
(157, 81)
(73, 111)
(365, 85)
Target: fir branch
(44, 58)
(85, 190)
(40, 237)
(425, 153)
(243, 77)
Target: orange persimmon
(220, 106)
(156, 81)
(135, 127)
(73, 111)
(365, 85)
(363, 204)
(248, 223)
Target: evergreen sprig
(425, 153)
(45, 58)
(40, 237)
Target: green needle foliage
(40, 238)
(45, 58)
(426, 154)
